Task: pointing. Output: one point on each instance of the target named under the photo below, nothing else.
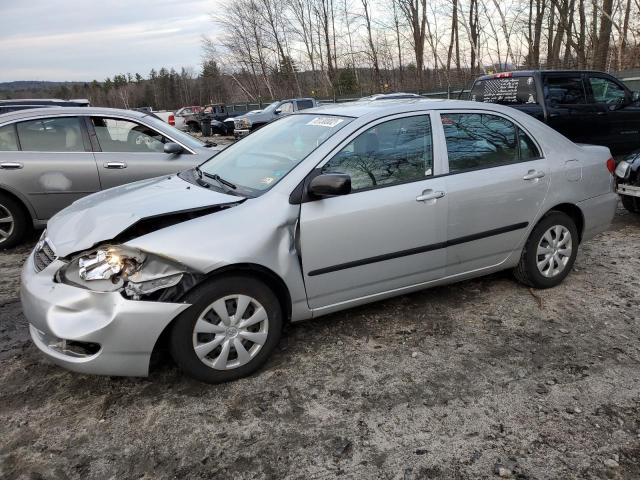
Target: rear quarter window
(507, 91)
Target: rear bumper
(629, 190)
(239, 133)
(122, 333)
(598, 214)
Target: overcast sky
(95, 39)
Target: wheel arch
(574, 212)
(268, 276)
(24, 204)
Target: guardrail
(240, 108)
(632, 79)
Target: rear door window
(564, 90)
(61, 134)
(477, 141)
(507, 91)
(8, 138)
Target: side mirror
(278, 111)
(635, 96)
(330, 185)
(173, 148)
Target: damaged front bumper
(91, 332)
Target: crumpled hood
(103, 215)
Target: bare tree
(415, 12)
(604, 36)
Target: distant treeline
(335, 48)
(163, 89)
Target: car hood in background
(104, 215)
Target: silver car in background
(50, 157)
(320, 211)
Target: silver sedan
(320, 211)
(50, 157)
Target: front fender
(259, 231)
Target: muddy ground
(468, 381)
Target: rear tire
(210, 344)
(14, 222)
(550, 252)
(632, 204)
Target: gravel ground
(474, 380)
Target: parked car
(165, 115)
(585, 106)
(246, 124)
(628, 182)
(230, 122)
(209, 120)
(7, 106)
(391, 96)
(50, 157)
(316, 212)
(182, 114)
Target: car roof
(42, 101)
(56, 111)
(529, 73)
(392, 106)
(382, 96)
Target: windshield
(271, 106)
(259, 161)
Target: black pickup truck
(585, 106)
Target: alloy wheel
(554, 251)
(230, 332)
(7, 223)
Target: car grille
(43, 256)
(239, 124)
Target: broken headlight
(109, 263)
(112, 268)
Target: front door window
(117, 135)
(393, 152)
(606, 91)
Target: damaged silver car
(317, 212)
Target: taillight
(611, 165)
(172, 120)
(503, 75)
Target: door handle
(601, 113)
(11, 165)
(429, 195)
(115, 165)
(533, 175)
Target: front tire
(14, 222)
(550, 252)
(229, 332)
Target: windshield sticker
(329, 122)
(267, 180)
